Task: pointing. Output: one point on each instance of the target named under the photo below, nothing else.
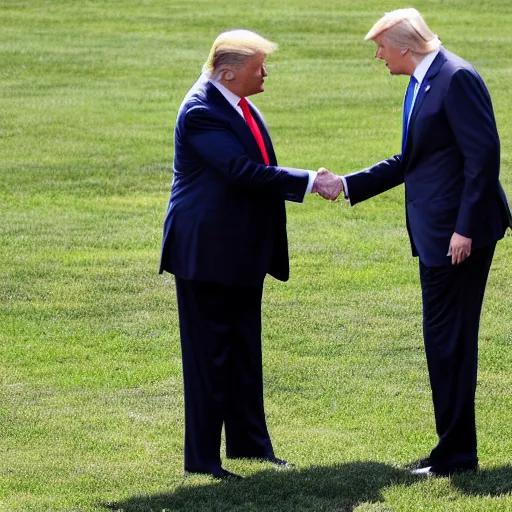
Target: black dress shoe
(219, 474)
(224, 474)
(440, 470)
(419, 464)
(279, 462)
(273, 460)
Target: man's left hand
(460, 248)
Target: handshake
(327, 184)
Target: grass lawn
(91, 405)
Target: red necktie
(254, 128)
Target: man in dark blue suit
(224, 231)
(456, 211)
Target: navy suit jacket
(226, 218)
(450, 164)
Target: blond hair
(233, 48)
(405, 29)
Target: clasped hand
(327, 184)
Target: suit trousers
(452, 302)
(220, 331)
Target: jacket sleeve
(219, 147)
(374, 180)
(469, 111)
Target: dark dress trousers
(450, 167)
(224, 231)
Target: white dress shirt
(233, 100)
(419, 74)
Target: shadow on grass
(339, 488)
(486, 482)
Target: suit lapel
(240, 126)
(425, 87)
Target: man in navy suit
(224, 231)
(456, 211)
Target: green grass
(91, 406)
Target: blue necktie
(409, 95)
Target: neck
(415, 59)
(231, 87)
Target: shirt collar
(424, 65)
(232, 98)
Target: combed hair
(233, 48)
(405, 29)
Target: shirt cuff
(312, 178)
(345, 189)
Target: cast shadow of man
(485, 482)
(339, 488)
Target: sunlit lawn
(91, 407)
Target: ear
(229, 75)
(403, 52)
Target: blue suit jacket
(450, 165)
(226, 219)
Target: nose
(378, 54)
(264, 71)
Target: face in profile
(250, 78)
(395, 58)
